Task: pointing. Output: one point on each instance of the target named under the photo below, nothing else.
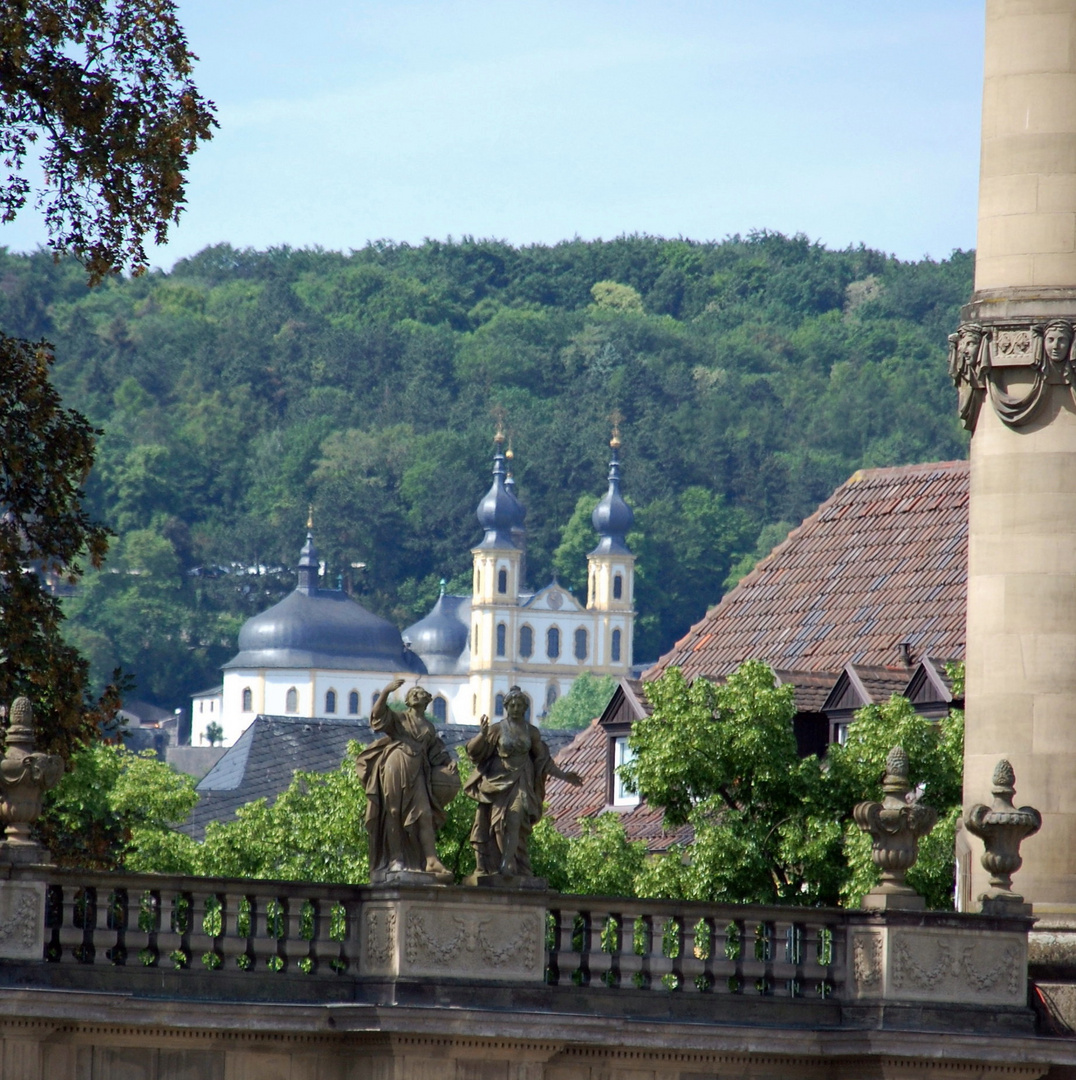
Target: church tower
(498, 571)
(611, 574)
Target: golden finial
(508, 453)
(617, 417)
(310, 516)
(500, 416)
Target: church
(319, 653)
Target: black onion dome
(499, 511)
(441, 639)
(321, 628)
(612, 517)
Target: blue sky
(348, 122)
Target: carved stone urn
(895, 825)
(25, 776)
(1002, 828)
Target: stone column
(1012, 361)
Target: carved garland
(981, 356)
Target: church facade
(318, 653)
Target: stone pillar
(1012, 361)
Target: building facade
(320, 654)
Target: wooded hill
(242, 387)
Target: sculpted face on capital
(1057, 341)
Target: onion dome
(321, 628)
(441, 639)
(612, 517)
(500, 511)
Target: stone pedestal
(454, 934)
(950, 960)
(22, 920)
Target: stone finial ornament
(1002, 828)
(25, 776)
(895, 825)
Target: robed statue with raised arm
(511, 763)
(410, 778)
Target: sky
(852, 121)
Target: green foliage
(45, 454)
(116, 809)
(584, 701)
(768, 826)
(244, 386)
(602, 860)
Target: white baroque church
(319, 653)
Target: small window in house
(580, 644)
(330, 701)
(616, 647)
(291, 700)
(498, 705)
(502, 581)
(618, 587)
(551, 695)
(502, 639)
(440, 709)
(552, 643)
(526, 642)
(248, 700)
(622, 754)
(353, 703)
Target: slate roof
(882, 561)
(262, 761)
(587, 754)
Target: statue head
(418, 698)
(1057, 340)
(970, 337)
(516, 704)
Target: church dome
(612, 517)
(442, 637)
(321, 628)
(500, 511)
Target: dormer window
(622, 755)
(502, 581)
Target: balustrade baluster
(324, 951)
(200, 942)
(170, 936)
(694, 946)
(148, 925)
(113, 935)
(234, 945)
(71, 934)
(296, 945)
(600, 961)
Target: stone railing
(261, 940)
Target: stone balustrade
(290, 941)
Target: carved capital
(1013, 363)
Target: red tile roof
(882, 561)
(587, 754)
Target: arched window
(291, 700)
(248, 700)
(502, 581)
(580, 644)
(353, 703)
(526, 642)
(440, 709)
(502, 639)
(498, 705)
(330, 701)
(552, 643)
(551, 695)
(374, 699)
(616, 647)
(618, 587)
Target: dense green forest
(243, 387)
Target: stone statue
(410, 778)
(511, 765)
